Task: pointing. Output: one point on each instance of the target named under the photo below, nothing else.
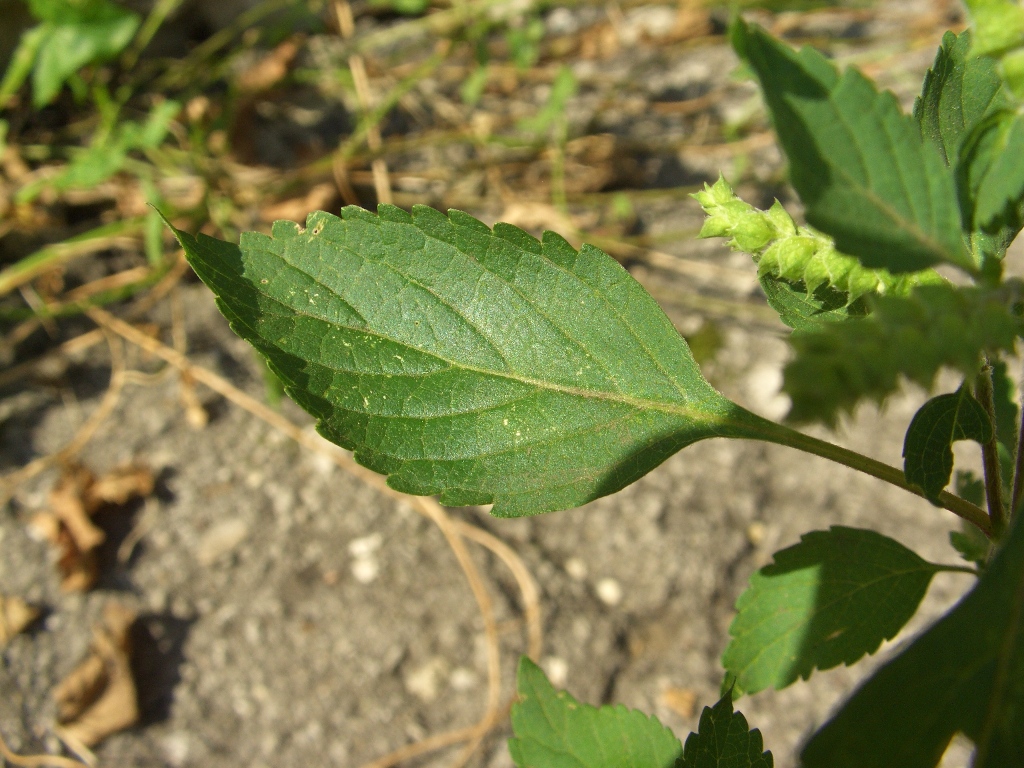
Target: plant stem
(57, 254)
(990, 452)
(771, 432)
(1018, 470)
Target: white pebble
(576, 569)
(609, 591)
(366, 545)
(220, 540)
(462, 679)
(365, 569)
(557, 670)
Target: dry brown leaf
(99, 698)
(270, 69)
(682, 701)
(321, 197)
(68, 501)
(77, 496)
(120, 485)
(15, 616)
(536, 216)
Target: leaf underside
(958, 93)
(839, 364)
(859, 164)
(724, 740)
(483, 366)
(965, 674)
(928, 446)
(553, 730)
(826, 601)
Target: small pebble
(609, 591)
(365, 545)
(462, 679)
(365, 569)
(756, 533)
(557, 670)
(220, 540)
(576, 569)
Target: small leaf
(802, 312)
(965, 674)
(76, 33)
(958, 93)
(553, 730)
(480, 365)
(991, 173)
(999, 25)
(999, 33)
(799, 255)
(826, 601)
(972, 544)
(928, 446)
(837, 365)
(861, 167)
(724, 740)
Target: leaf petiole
(990, 453)
(782, 435)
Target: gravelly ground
(264, 640)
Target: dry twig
(453, 530)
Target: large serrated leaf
(724, 740)
(483, 366)
(826, 601)
(928, 445)
(958, 93)
(860, 165)
(965, 674)
(839, 364)
(553, 730)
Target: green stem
(54, 255)
(990, 452)
(957, 569)
(1018, 469)
(758, 428)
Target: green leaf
(991, 173)
(483, 366)
(20, 65)
(802, 312)
(553, 730)
(928, 446)
(75, 33)
(999, 33)
(799, 255)
(860, 165)
(972, 544)
(998, 26)
(965, 674)
(826, 601)
(913, 336)
(958, 93)
(724, 740)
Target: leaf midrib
(684, 411)
(635, 402)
